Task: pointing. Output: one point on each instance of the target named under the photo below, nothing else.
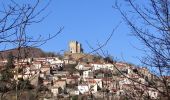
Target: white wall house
(23, 76)
(109, 66)
(129, 71)
(124, 81)
(40, 59)
(26, 76)
(97, 66)
(142, 80)
(120, 92)
(81, 66)
(54, 60)
(27, 70)
(54, 90)
(37, 65)
(88, 74)
(83, 88)
(153, 93)
(99, 82)
(26, 60)
(93, 87)
(93, 84)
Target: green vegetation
(70, 68)
(6, 73)
(75, 97)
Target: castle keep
(75, 47)
(75, 52)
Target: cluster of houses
(118, 78)
(94, 78)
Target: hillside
(25, 52)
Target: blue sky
(87, 20)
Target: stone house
(60, 83)
(72, 79)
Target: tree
(150, 23)
(75, 97)
(7, 71)
(6, 75)
(15, 20)
(60, 90)
(108, 59)
(10, 61)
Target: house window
(154, 93)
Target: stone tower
(75, 47)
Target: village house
(73, 92)
(83, 66)
(152, 93)
(88, 74)
(67, 60)
(76, 73)
(36, 64)
(99, 83)
(54, 60)
(98, 66)
(60, 73)
(2, 63)
(45, 68)
(107, 83)
(109, 66)
(94, 84)
(20, 63)
(102, 73)
(124, 81)
(46, 82)
(55, 91)
(26, 70)
(50, 59)
(40, 59)
(72, 79)
(59, 83)
(22, 76)
(120, 92)
(83, 88)
(44, 74)
(28, 60)
(121, 66)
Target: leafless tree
(15, 19)
(150, 22)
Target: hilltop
(26, 52)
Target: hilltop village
(77, 75)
